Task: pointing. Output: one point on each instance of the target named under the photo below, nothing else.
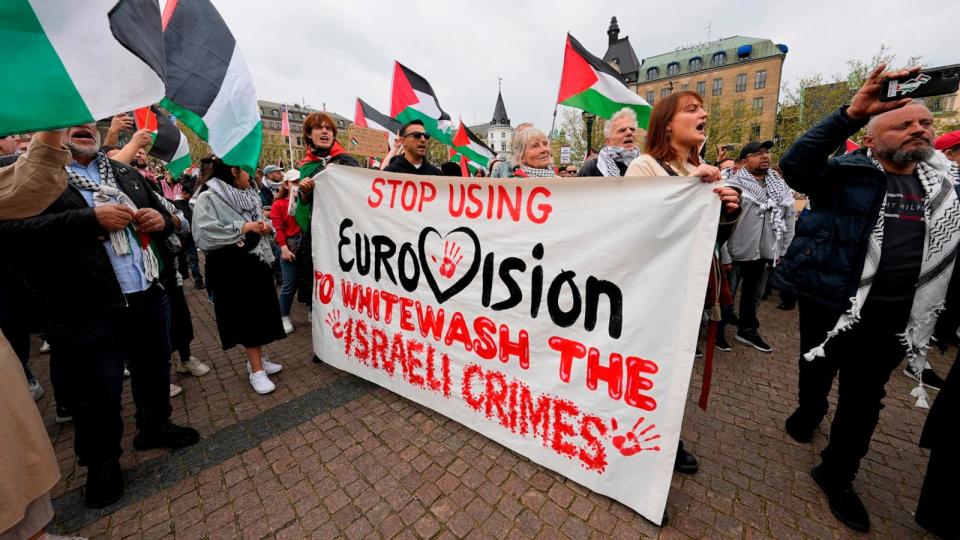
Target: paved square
(329, 455)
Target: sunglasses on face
(419, 135)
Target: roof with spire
(500, 117)
(620, 53)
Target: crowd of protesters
(863, 242)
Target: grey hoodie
(754, 237)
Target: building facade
(275, 148)
(737, 73)
(497, 134)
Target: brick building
(736, 71)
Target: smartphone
(934, 82)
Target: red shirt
(284, 225)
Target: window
(653, 73)
(761, 80)
(755, 131)
(738, 107)
(741, 82)
(673, 68)
(684, 87)
(717, 87)
(702, 88)
(719, 59)
(503, 134)
(665, 91)
(274, 112)
(758, 105)
(696, 63)
(503, 146)
(650, 96)
(299, 142)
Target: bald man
(871, 263)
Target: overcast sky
(333, 52)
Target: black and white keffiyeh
(107, 192)
(245, 202)
(533, 172)
(941, 209)
(609, 156)
(773, 196)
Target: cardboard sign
(558, 317)
(367, 142)
(564, 155)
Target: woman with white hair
(620, 139)
(533, 155)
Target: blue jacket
(825, 260)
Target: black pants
(87, 361)
(753, 279)
(863, 357)
(937, 506)
(188, 259)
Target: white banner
(558, 317)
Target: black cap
(755, 146)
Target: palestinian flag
(169, 143)
(69, 63)
(368, 117)
(466, 166)
(209, 87)
(412, 98)
(590, 84)
(471, 147)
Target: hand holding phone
(932, 82)
(866, 102)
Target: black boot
(844, 501)
(104, 484)
(686, 463)
(799, 428)
(165, 436)
(198, 282)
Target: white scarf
(941, 209)
(609, 156)
(106, 192)
(773, 196)
(245, 202)
(533, 172)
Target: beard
(899, 156)
(85, 151)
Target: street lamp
(588, 117)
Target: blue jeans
(289, 288)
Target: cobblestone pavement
(329, 455)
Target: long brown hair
(658, 138)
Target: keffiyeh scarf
(107, 192)
(941, 209)
(772, 196)
(532, 172)
(245, 202)
(609, 156)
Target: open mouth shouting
(701, 128)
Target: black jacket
(399, 164)
(826, 258)
(590, 168)
(60, 253)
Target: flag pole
(290, 146)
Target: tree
(198, 147)
(814, 96)
(571, 130)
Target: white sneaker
(287, 325)
(268, 366)
(35, 389)
(175, 390)
(193, 366)
(45, 347)
(126, 373)
(261, 383)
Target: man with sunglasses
(413, 158)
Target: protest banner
(564, 155)
(368, 142)
(558, 317)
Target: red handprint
(451, 258)
(333, 321)
(631, 443)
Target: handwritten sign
(367, 142)
(558, 317)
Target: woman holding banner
(533, 154)
(320, 136)
(675, 135)
(228, 224)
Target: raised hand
(866, 102)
